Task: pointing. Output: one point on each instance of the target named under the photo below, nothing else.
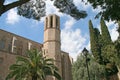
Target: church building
(12, 45)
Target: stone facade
(12, 45)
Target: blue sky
(74, 34)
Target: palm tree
(33, 67)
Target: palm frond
(57, 75)
(34, 65)
(21, 60)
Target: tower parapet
(52, 21)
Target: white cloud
(86, 6)
(69, 23)
(110, 23)
(12, 17)
(112, 26)
(114, 34)
(51, 9)
(72, 40)
(88, 46)
(81, 5)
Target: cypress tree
(94, 41)
(106, 40)
(105, 33)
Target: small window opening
(51, 21)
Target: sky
(74, 34)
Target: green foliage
(35, 9)
(110, 8)
(79, 70)
(67, 6)
(33, 67)
(106, 39)
(117, 55)
(109, 53)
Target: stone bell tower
(52, 40)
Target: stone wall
(11, 46)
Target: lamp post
(85, 53)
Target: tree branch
(7, 7)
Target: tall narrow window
(56, 22)
(2, 43)
(19, 48)
(9, 47)
(1, 60)
(51, 21)
(46, 22)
